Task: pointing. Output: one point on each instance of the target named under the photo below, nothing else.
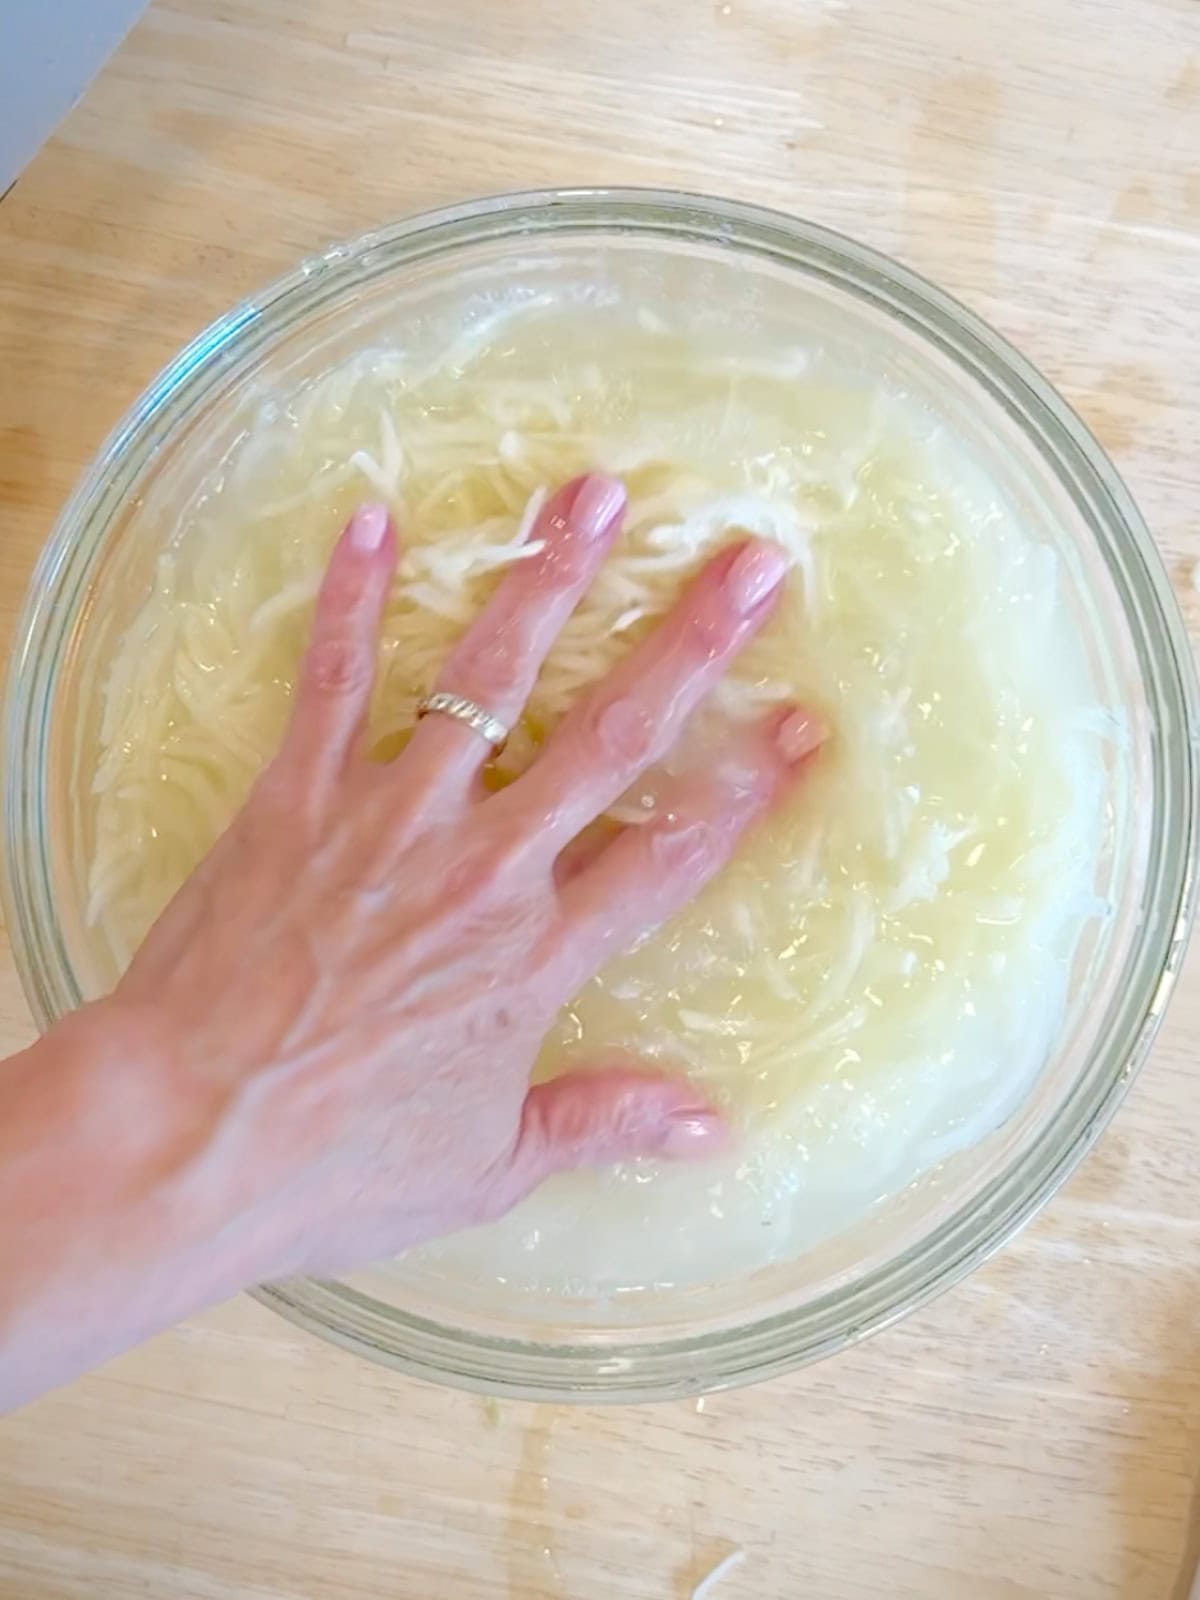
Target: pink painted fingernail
(757, 572)
(695, 1133)
(598, 503)
(799, 735)
(368, 528)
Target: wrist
(111, 1125)
(107, 1235)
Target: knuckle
(565, 1119)
(482, 663)
(480, 876)
(623, 730)
(338, 666)
(695, 847)
(468, 878)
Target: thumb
(612, 1113)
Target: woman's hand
(336, 1017)
(359, 977)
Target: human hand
(352, 988)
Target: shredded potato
(877, 978)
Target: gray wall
(49, 50)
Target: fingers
(633, 715)
(649, 871)
(595, 1117)
(498, 660)
(338, 671)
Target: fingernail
(759, 570)
(368, 528)
(597, 505)
(799, 735)
(695, 1133)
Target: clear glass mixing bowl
(733, 262)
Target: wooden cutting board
(1034, 1435)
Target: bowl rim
(775, 1343)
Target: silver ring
(466, 711)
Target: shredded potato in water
(878, 977)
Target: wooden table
(1035, 1434)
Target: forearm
(105, 1237)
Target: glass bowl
(721, 259)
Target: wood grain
(1036, 1434)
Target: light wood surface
(1035, 1434)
